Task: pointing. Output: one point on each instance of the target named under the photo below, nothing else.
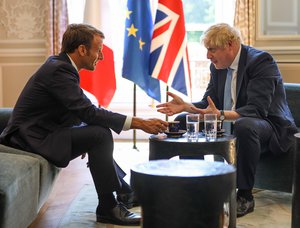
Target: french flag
(102, 81)
(168, 54)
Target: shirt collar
(235, 63)
(73, 64)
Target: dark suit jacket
(260, 94)
(49, 105)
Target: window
(199, 15)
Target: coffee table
(183, 193)
(163, 147)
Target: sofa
(276, 172)
(26, 180)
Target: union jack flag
(168, 54)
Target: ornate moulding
(22, 19)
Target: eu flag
(138, 35)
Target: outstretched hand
(211, 108)
(176, 105)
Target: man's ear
(82, 50)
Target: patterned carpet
(272, 211)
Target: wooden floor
(67, 186)
(71, 180)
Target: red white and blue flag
(169, 56)
(102, 81)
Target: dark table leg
(167, 150)
(296, 186)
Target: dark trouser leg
(98, 143)
(251, 135)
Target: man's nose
(208, 55)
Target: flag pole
(134, 114)
(167, 99)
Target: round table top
(183, 168)
(183, 139)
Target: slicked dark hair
(78, 34)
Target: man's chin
(218, 67)
(90, 68)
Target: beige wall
(279, 34)
(22, 45)
(290, 72)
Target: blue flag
(138, 35)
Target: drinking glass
(192, 126)
(210, 126)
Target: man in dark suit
(257, 102)
(53, 117)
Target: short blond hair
(220, 35)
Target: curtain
(244, 20)
(56, 24)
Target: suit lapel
(241, 70)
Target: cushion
(47, 171)
(19, 188)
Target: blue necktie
(227, 99)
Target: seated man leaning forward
(257, 106)
(52, 117)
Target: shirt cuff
(127, 123)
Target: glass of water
(192, 126)
(210, 126)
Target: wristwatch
(222, 116)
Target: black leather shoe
(119, 215)
(244, 206)
(129, 199)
